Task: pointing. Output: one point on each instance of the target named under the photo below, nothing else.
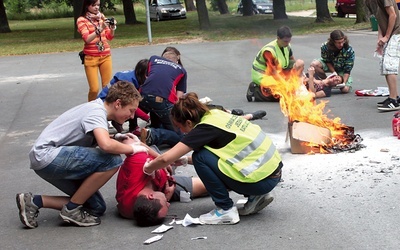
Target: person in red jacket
(147, 198)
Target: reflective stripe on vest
(248, 150)
(250, 156)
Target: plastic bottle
(396, 124)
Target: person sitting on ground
(136, 77)
(337, 57)
(321, 88)
(75, 154)
(229, 153)
(278, 54)
(146, 198)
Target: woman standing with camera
(96, 31)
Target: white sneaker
(220, 216)
(255, 204)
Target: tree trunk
(4, 27)
(189, 5)
(279, 9)
(222, 7)
(247, 8)
(202, 13)
(361, 10)
(129, 12)
(323, 14)
(78, 5)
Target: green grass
(56, 35)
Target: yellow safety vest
(251, 156)
(259, 63)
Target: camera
(110, 20)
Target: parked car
(166, 9)
(345, 7)
(259, 7)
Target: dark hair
(174, 50)
(337, 35)
(188, 107)
(85, 6)
(123, 90)
(283, 32)
(141, 70)
(145, 212)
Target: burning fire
(298, 104)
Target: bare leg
(55, 202)
(318, 69)
(198, 187)
(392, 84)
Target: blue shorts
(73, 165)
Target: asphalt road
(325, 201)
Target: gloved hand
(183, 161)
(138, 148)
(145, 165)
(132, 136)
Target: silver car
(166, 9)
(259, 7)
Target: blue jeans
(159, 112)
(73, 165)
(160, 136)
(218, 184)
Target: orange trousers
(94, 65)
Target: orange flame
(298, 104)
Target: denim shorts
(73, 165)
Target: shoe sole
(221, 222)
(389, 109)
(259, 206)
(69, 220)
(22, 215)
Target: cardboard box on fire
(303, 135)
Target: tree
(222, 7)
(4, 27)
(247, 7)
(78, 5)
(323, 14)
(280, 9)
(129, 12)
(361, 10)
(202, 13)
(189, 4)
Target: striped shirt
(85, 28)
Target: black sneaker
(237, 112)
(250, 92)
(380, 104)
(258, 114)
(389, 105)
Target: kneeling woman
(229, 153)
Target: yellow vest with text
(259, 63)
(251, 156)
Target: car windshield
(168, 2)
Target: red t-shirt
(131, 180)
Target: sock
(37, 200)
(71, 205)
